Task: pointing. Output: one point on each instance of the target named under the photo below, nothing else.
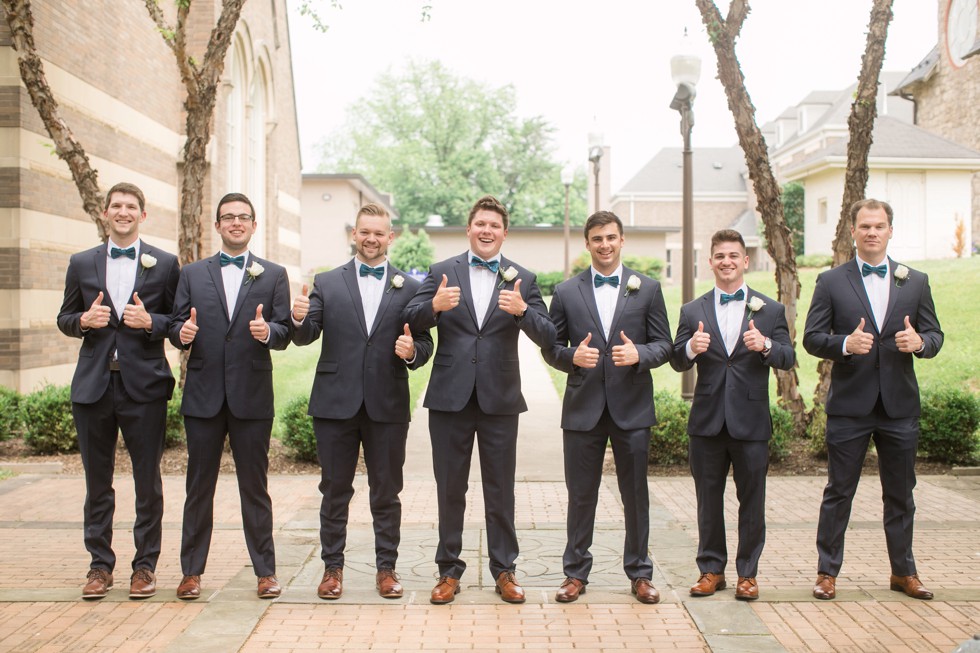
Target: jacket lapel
(588, 296)
(214, 269)
(350, 278)
(141, 272)
(100, 266)
(854, 276)
(462, 270)
(893, 291)
(621, 301)
(711, 321)
(246, 286)
(386, 297)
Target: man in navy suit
(611, 330)
(360, 393)
(734, 335)
(118, 298)
(872, 317)
(231, 309)
(480, 302)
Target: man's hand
(510, 301)
(97, 316)
(188, 331)
(753, 338)
(259, 327)
(301, 305)
(626, 354)
(405, 345)
(585, 356)
(446, 297)
(700, 340)
(135, 315)
(908, 341)
(859, 342)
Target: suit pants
(585, 452)
(452, 436)
(338, 442)
(896, 440)
(710, 458)
(249, 439)
(143, 426)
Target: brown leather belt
(113, 365)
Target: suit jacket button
(227, 338)
(369, 343)
(473, 361)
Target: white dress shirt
(372, 290)
(482, 282)
(120, 277)
(730, 316)
(606, 297)
(232, 276)
(877, 289)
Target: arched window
(255, 159)
(234, 119)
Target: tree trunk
(723, 33)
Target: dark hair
(234, 197)
(726, 236)
(601, 219)
(872, 204)
(489, 203)
(129, 189)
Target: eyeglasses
(228, 218)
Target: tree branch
(737, 12)
(156, 15)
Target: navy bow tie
(237, 261)
(377, 272)
(477, 262)
(129, 252)
(613, 281)
(738, 295)
(880, 270)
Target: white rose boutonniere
(397, 282)
(632, 284)
(901, 274)
(253, 271)
(755, 305)
(507, 276)
(147, 261)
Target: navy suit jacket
(732, 391)
(468, 356)
(357, 367)
(626, 391)
(142, 362)
(225, 361)
(839, 302)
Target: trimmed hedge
(48, 424)
(814, 261)
(948, 426)
(668, 439)
(174, 435)
(547, 282)
(782, 432)
(11, 423)
(296, 430)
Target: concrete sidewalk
(43, 563)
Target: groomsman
(231, 309)
(360, 393)
(612, 329)
(872, 317)
(480, 302)
(118, 298)
(734, 335)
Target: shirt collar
(618, 272)
(471, 255)
(744, 288)
(245, 254)
(110, 245)
(358, 263)
(858, 261)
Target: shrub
(814, 260)
(296, 430)
(48, 424)
(668, 439)
(948, 425)
(412, 251)
(10, 418)
(548, 280)
(782, 432)
(174, 435)
(817, 432)
(648, 265)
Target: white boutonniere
(147, 262)
(901, 274)
(253, 271)
(632, 284)
(507, 276)
(397, 282)
(755, 305)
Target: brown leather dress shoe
(708, 584)
(570, 590)
(825, 589)
(747, 589)
(387, 583)
(445, 590)
(911, 586)
(645, 591)
(98, 585)
(189, 588)
(142, 584)
(508, 589)
(269, 587)
(332, 585)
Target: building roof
(921, 73)
(360, 183)
(747, 224)
(714, 170)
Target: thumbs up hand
(625, 354)
(859, 342)
(135, 315)
(97, 316)
(446, 297)
(753, 338)
(258, 326)
(511, 301)
(301, 305)
(188, 330)
(700, 341)
(907, 340)
(585, 356)
(405, 344)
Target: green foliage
(412, 251)
(548, 280)
(174, 435)
(817, 433)
(948, 425)
(648, 265)
(782, 432)
(296, 430)
(792, 198)
(10, 417)
(668, 439)
(49, 427)
(814, 260)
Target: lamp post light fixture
(567, 177)
(595, 153)
(685, 70)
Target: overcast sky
(607, 64)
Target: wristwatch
(766, 346)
